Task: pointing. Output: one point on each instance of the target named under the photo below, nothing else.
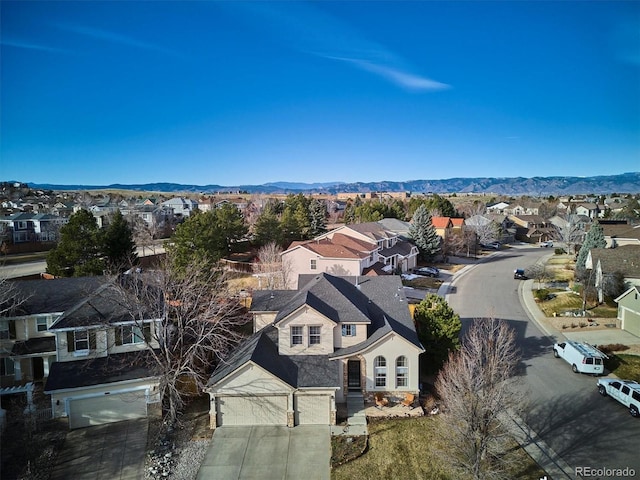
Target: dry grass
(561, 303)
(408, 448)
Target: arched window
(402, 372)
(380, 371)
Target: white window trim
(39, 324)
(314, 335)
(296, 335)
(402, 372)
(380, 372)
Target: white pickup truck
(582, 357)
(627, 392)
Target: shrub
(541, 294)
(560, 251)
(612, 347)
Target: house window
(314, 264)
(380, 371)
(81, 341)
(6, 366)
(7, 329)
(314, 335)
(296, 335)
(41, 324)
(402, 371)
(348, 330)
(129, 335)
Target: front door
(353, 374)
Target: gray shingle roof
(624, 259)
(98, 309)
(379, 302)
(34, 345)
(113, 368)
(54, 296)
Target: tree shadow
(586, 430)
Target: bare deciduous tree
(196, 322)
(570, 232)
(272, 271)
(10, 297)
(476, 385)
(538, 272)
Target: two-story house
(103, 372)
(27, 347)
(357, 249)
(314, 345)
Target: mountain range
(534, 186)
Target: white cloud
(33, 46)
(113, 37)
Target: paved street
(564, 409)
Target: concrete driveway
(104, 452)
(268, 453)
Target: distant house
(629, 310)
(532, 228)
(620, 233)
(181, 207)
(605, 262)
(350, 250)
(497, 207)
(443, 226)
(26, 227)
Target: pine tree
(119, 247)
(317, 218)
(438, 329)
(593, 239)
(424, 233)
(80, 249)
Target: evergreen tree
(119, 247)
(268, 229)
(424, 233)
(230, 224)
(80, 249)
(317, 218)
(593, 239)
(438, 329)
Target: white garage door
(312, 409)
(255, 410)
(113, 407)
(631, 322)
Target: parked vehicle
(518, 274)
(546, 244)
(582, 357)
(491, 245)
(427, 271)
(627, 392)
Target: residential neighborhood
(336, 346)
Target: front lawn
(406, 448)
(624, 366)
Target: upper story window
(296, 335)
(314, 335)
(42, 324)
(7, 367)
(130, 335)
(402, 371)
(380, 371)
(348, 330)
(7, 329)
(314, 264)
(81, 341)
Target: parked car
(491, 245)
(518, 274)
(627, 392)
(582, 357)
(546, 244)
(428, 271)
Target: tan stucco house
(629, 310)
(312, 346)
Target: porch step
(356, 418)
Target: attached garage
(313, 409)
(252, 410)
(107, 408)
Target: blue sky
(234, 93)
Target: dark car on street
(519, 274)
(427, 271)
